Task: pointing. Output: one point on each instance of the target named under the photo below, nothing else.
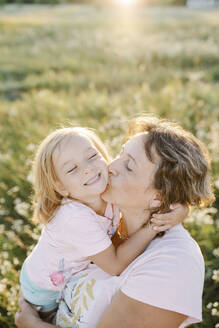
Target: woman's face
(131, 176)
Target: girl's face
(131, 176)
(81, 169)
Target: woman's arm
(125, 312)
(27, 317)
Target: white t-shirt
(168, 275)
(75, 233)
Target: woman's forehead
(135, 146)
(135, 143)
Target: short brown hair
(183, 175)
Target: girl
(70, 173)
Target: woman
(163, 286)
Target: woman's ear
(58, 186)
(155, 201)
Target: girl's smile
(93, 180)
(80, 168)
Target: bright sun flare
(126, 2)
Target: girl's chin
(106, 194)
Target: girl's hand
(165, 221)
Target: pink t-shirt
(75, 233)
(168, 275)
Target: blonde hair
(46, 199)
(183, 175)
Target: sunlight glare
(126, 2)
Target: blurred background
(98, 64)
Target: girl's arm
(115, 260)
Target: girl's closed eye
(94, 155)
(72, 169)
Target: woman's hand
(165, 221)
(28, 317)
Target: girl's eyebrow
(70, 160)
(64, 164)
(91, 148)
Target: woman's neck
(134, 219)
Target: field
(99, 67)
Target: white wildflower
(3, 211)
(215, 275)
(31, 147)
(13, 190)
(214, 311)
(15, 261)
(216, 252)
(30, 177)
(22, 208)
(202, 216)
(5, 255)
(18, 225)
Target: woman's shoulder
(168, 275)
(178, 238)
(176, 246)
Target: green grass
(99, 67)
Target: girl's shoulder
(71, 208)
(70, 213)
